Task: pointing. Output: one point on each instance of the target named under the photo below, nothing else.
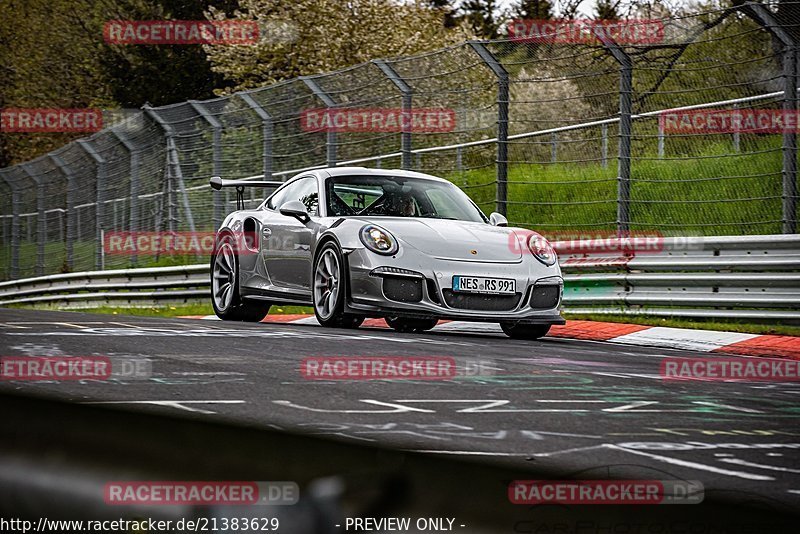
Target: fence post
(502, 121)
(330, 141)
(16, 222)
(553, 147)
(216, 129)
(266, 131)
(133, 153)
(625, 129)
(72, 189)
(172, 159)
(789, 145)
(405, 90)
(736, 133)
(100, 198)
(604, 144)
(41, 217)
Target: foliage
(305, 37)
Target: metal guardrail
(742, 277)
(155, 286)
(737, 277)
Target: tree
(481, 15)
(532, 9)
(306, 37)
(47, 60)
(607, 9)
(53, 55)
(159, 74)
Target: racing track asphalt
(586, 409)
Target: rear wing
(217, 183)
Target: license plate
(478, 284)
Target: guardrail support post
(329, 104)
(41, 217)
(133, 152)
(72, 189)
(172, 159)
(216, 128)
(764, 17)
(625, 129)
(16, 222)
(502, 122)
(406, 126)
(266, 131)
(100, 199)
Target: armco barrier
(743, 277)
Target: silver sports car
(409, 247)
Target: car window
(379, 195)
(304, 190)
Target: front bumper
(421, 287)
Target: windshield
(398, 196)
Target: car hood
(455, 240)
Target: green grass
(703, 194)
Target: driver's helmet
(401, 205)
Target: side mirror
(497, 219)
(296, 209)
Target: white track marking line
(745, 463)
(693, 465)
(465, 453)
(175, 404)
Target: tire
(525, 331)
(225, 298)
(329, 287)
(402, 324)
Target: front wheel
(225, 298)
(330, 277)
(402, 324)
(525, 331)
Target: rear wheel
(402, 324)
(330, 285)
(225, 297)
(525, 331)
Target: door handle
(266, 232)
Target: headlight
(378, 240)
(541, 249)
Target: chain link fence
(558, 134)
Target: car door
(286, 242)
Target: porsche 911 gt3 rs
(356, 243)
